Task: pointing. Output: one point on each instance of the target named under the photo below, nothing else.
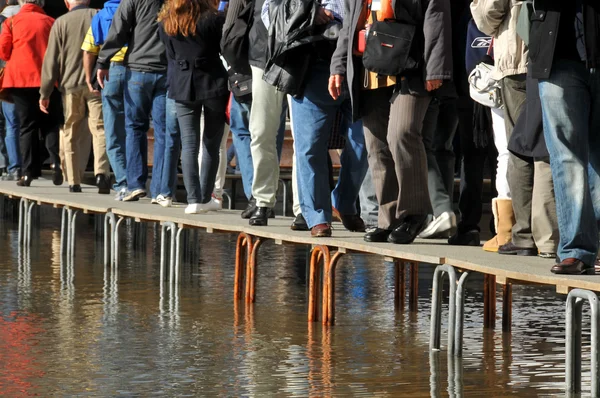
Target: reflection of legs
(543, 210)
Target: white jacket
(498, 18)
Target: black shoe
(511, 249)
(409, 229)
(469, 238)
(102, 184)
(75, 188)
(260, 217)
(353, 223)
(25, 181)
(250, 209)
(378, 235)
(57, 177)
(299, 224)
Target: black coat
(545, 21)
(196, 71)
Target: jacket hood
(10, 11)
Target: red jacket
(23, 43)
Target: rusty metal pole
(399, 284)
(251, 272)
(318, 253)
(329, 289)
(242, 253)
(489, 301)
(414, 287)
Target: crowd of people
(389, 83)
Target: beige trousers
(85, 146)
(79, 106)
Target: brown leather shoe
(321, 231)
(573, 266)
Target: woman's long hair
(181, 16)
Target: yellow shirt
(90, 46)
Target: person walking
(564, 45)
(191, 32)
(23, 44)
(134, 24)
(63, 66)
(393, 111)
(113, 93)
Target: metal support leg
(507, 307)
(178, 254)
(575, 301)
(459, 321)
(318, 253)
(436, 307)
(414, 287)
(226, 195)
(115, 243)
(170, 228)
(110, 223)
(399, 284)
(328, 306)
(242, 257)
(23, 220)
(73, 219)
(29, 222)
(489, 301)
(251, 272)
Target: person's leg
(85, 147)
(265, 117)
(544, 224)
(138, 104)
(501, 143)
(439, 196)
(354, 167)
(369, 208)
(514, 95)
(74, 109)
(240, 121)
(295, 186)
(3, 151)
(168, 184)
(314, 115)
(376, 114)
(113, 111)
(96, 124)
(443, 145)
(222, 169)
(26, 109)
(12, 137)
(281, 131)
(407, 114)
(161, 173)
(521, 180)
(214, 127)
(188, 115)
(566, 108)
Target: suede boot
(504, 219)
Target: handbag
(387, 47)
(483, 88)
(240, 86)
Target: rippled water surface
(78, 329)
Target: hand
(102, 75)
(432, 85)
(335, 86)
(323, 16)
(44, 103)
(91, 88)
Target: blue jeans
(369, 207)
(166, 185)
(199, 187)
(352, 173)
(313, 117)
(145, 95)
(239, 122)
(571, 113)
(113, 109)
(11, 138)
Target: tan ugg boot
(504, 219)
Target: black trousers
(472, 167)
(37, 129)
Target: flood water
(78, 329)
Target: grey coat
(437, 56)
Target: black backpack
(235, 41)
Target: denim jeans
(145, 95)
(113, 109)
(239, 122)
(369, 208)
(352, 173)
(199, 187)
(11, 138)
(166, 185)
(313, 118)
(571, 111)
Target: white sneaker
(441, 227)
(193, 208)
(198, 208)
(164, 201)
(121, 194)
(217, 202)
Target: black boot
(25, 181)
(468, 238)
(57, 177)
(75, 188)
(250, 209)
(299, 224)
(102, 184)
(260, 217)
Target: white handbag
(483, 88)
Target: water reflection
(74, 327)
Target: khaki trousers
(85, 146)
(78, 105)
